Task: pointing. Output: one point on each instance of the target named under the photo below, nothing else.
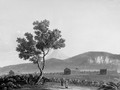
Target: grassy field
(105, 78)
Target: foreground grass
(55, 86)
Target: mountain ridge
(81, 61)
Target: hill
(88, 60)
(95, 60)
(51, 65)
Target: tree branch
(47, 52)
(44, 54)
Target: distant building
(67, 71)
(103, 71)
(108, 71)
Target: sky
(87, 25)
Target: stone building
(103, 71)
(67, 71)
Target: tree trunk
(43, 62)
(41, 74)
(41, 69)
(44, 54)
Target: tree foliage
(36, 46)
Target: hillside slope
(88, 60)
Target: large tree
(36, 46)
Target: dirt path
(56, 86)
(71, 87)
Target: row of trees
(34, 47)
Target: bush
(11, 73)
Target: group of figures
(64, 82)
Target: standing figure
(61, 81)
(66, 83)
